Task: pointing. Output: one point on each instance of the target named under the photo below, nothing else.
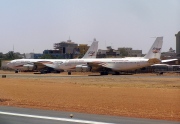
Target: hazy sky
(38, 24)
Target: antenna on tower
(13, 47)
(69, 39)
(105, 44)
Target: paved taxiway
(14, 115)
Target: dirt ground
(145, 97)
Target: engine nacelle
(28, 67)
(83, 68)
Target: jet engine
(83, 68)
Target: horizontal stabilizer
(160, 65)
(168, 60)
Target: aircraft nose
(9, 65)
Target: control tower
(178, 43)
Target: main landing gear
(109, 72)
(69, 73)
(104, 73)
(16, 71)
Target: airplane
(115, 65)
(40, 64)
(159, 69)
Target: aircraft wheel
(101, 73)
(117, 73)
(57, 71)
(43, 72)
(69, 73)
(104, 73)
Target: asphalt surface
(84, 76)
(15, 115)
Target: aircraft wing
(43, 64)
(96, 65)
(168, 60)
(154, 61)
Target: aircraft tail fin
(92, 51)
(155, 51)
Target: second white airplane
(113, 64)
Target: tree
(1, 55)
(11, 55)
(123, 52)
(47, 56)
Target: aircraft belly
(129, 66)
(122, 66)
(19, 68)
(67, 66)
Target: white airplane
(40, 64)
(114, 64)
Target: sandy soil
(156, 98)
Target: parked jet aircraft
(159, 69)
(113, 64)
(40, 64)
